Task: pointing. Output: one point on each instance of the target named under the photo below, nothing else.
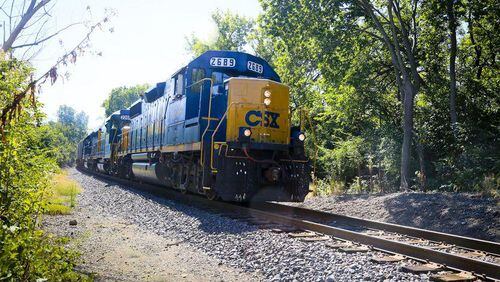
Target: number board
(222, 62)
(253, 66)
(125, 117)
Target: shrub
(26, 252)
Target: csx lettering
(254, 118)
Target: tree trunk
(453, 55)
(421, 159)
(477, 47)
(407, 134)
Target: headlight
(267, 94)
(302, 137)
(267, 101)
(247, 132)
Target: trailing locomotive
(219, 127)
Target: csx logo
(254, 118)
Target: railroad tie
(387, 258)
(338, 244)
(315, 239)
(347, 247)
(355, 249)
(423, 268)
(454, 277)
(474, 254)
(302, 234)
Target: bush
(26, 252)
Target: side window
(197, 75)
(179, 85)
(169, 89)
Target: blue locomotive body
(192, 134)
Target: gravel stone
(274, 256)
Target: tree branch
(9, 110)
(406, 43)
(46, 38)
(32, 9)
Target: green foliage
(340, 71)
(26, 252)
(344, 161)
(122, 97)
(232, 33)
(60, 138)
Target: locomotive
(220, 127)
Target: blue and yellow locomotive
(219, 127)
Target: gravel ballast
(233, 243)
(465, 214)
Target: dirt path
(115, 250)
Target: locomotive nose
(272, 174)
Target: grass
(326, 187)
(61, 197)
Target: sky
(148, 44)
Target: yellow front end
(261, 105)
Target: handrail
(209, 114)
(303, 111)
(213, 136)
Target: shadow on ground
(208, 224)
(461, 214)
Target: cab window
(197, 75)
(219, 77)
(218, 82)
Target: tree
(12, 105)
(342, 25)
(26, 24)
(383, 71)
(71, 124)
(26, 166)
(66, 115)
(452, 26)
(29, 151)
(122, 97)
(232, 33)
(396, 26)
(25, 16)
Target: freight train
(220, 127)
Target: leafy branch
(8, 113)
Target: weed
(62, 193)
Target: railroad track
(455, 258)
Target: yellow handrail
(308, 118)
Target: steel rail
(315, 215)
(452, 261)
